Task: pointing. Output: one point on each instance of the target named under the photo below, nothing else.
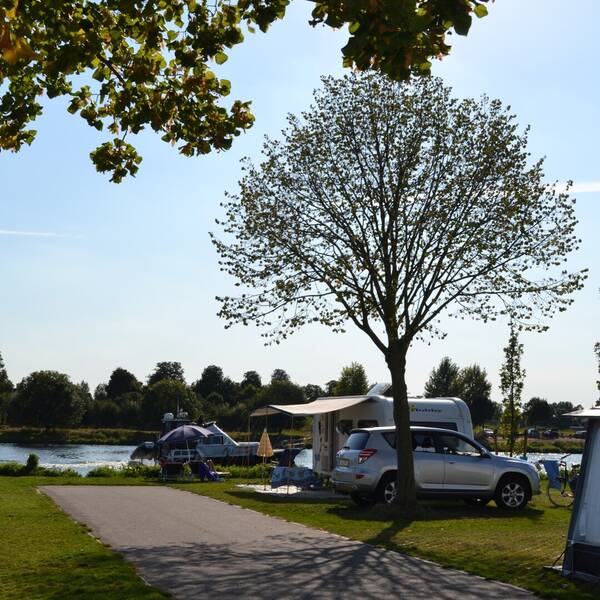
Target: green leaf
(220, 58)
(354, 27)
(481, 10)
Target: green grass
(485, 541)
(44, 554)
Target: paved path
(197, 547)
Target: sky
(97, 275)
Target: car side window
(455, 445)
(423, 442)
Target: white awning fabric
(588, 413)
(316, 407)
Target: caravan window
(344, 426)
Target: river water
(85, 457)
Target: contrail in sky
(31, 233)
(579, 187)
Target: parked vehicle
(550, 434)
(580, 435)
(447, 464)
(532, 432)
(489, 433)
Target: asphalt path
(195, 547)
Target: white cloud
(579, 187)
(30, 233)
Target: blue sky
(128, 275)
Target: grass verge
(44, 554)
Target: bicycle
(562, 481)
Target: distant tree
(6, 392)
(100, 392)
(538, 411)
(330, 387)
(122, 382)
(49, 399)
(559, 409)
(279, 375)
(313, 391)
(511, 384)
(474, 388)
(251, 378)
(172, 371)
(165, 396)
(213, 381)
(443, 380)
(352, 381)
(597, 351)
(281, 392)
(130, 409)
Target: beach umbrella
(265, 450)
(184, 434)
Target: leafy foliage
(389, 205)
(538, 411)
(6, 390)
(443, 380)
(172, 371)
(352, 381)
(49, 399)
(475, 389)
(165, 396)
(127, 66)
(511, 384)
(122, 382)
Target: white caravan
(336, 416)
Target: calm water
(79, 457)
(84, 457)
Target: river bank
(113, 437)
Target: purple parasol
(183, 434)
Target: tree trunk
(406, 496)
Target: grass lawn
(482, 540)
(44, 554)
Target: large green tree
(49, 399)
(122, 382)
(167, 395)
(128, 65)
(388, 206)
(538, 411)
(171, 371)
(475, 389)
(352, 381)
(512, 378)
(6, 390)
(443, 380)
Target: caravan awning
(316, 407)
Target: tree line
(50, 399)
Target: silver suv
(447, 464)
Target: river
(85, 457)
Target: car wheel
(362, 501)
(387, 489)
(511, 494)
(476, 501)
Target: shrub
(11, 469)
(33, 463)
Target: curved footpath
(194, 546)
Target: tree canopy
(512, 378)
(443, 380)
(172, 371)
(122, 382)
(126, 66)
(389, 205)
(49, 399)
(475, 389)
(352, 381)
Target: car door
(429, 463)
(466, 468)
